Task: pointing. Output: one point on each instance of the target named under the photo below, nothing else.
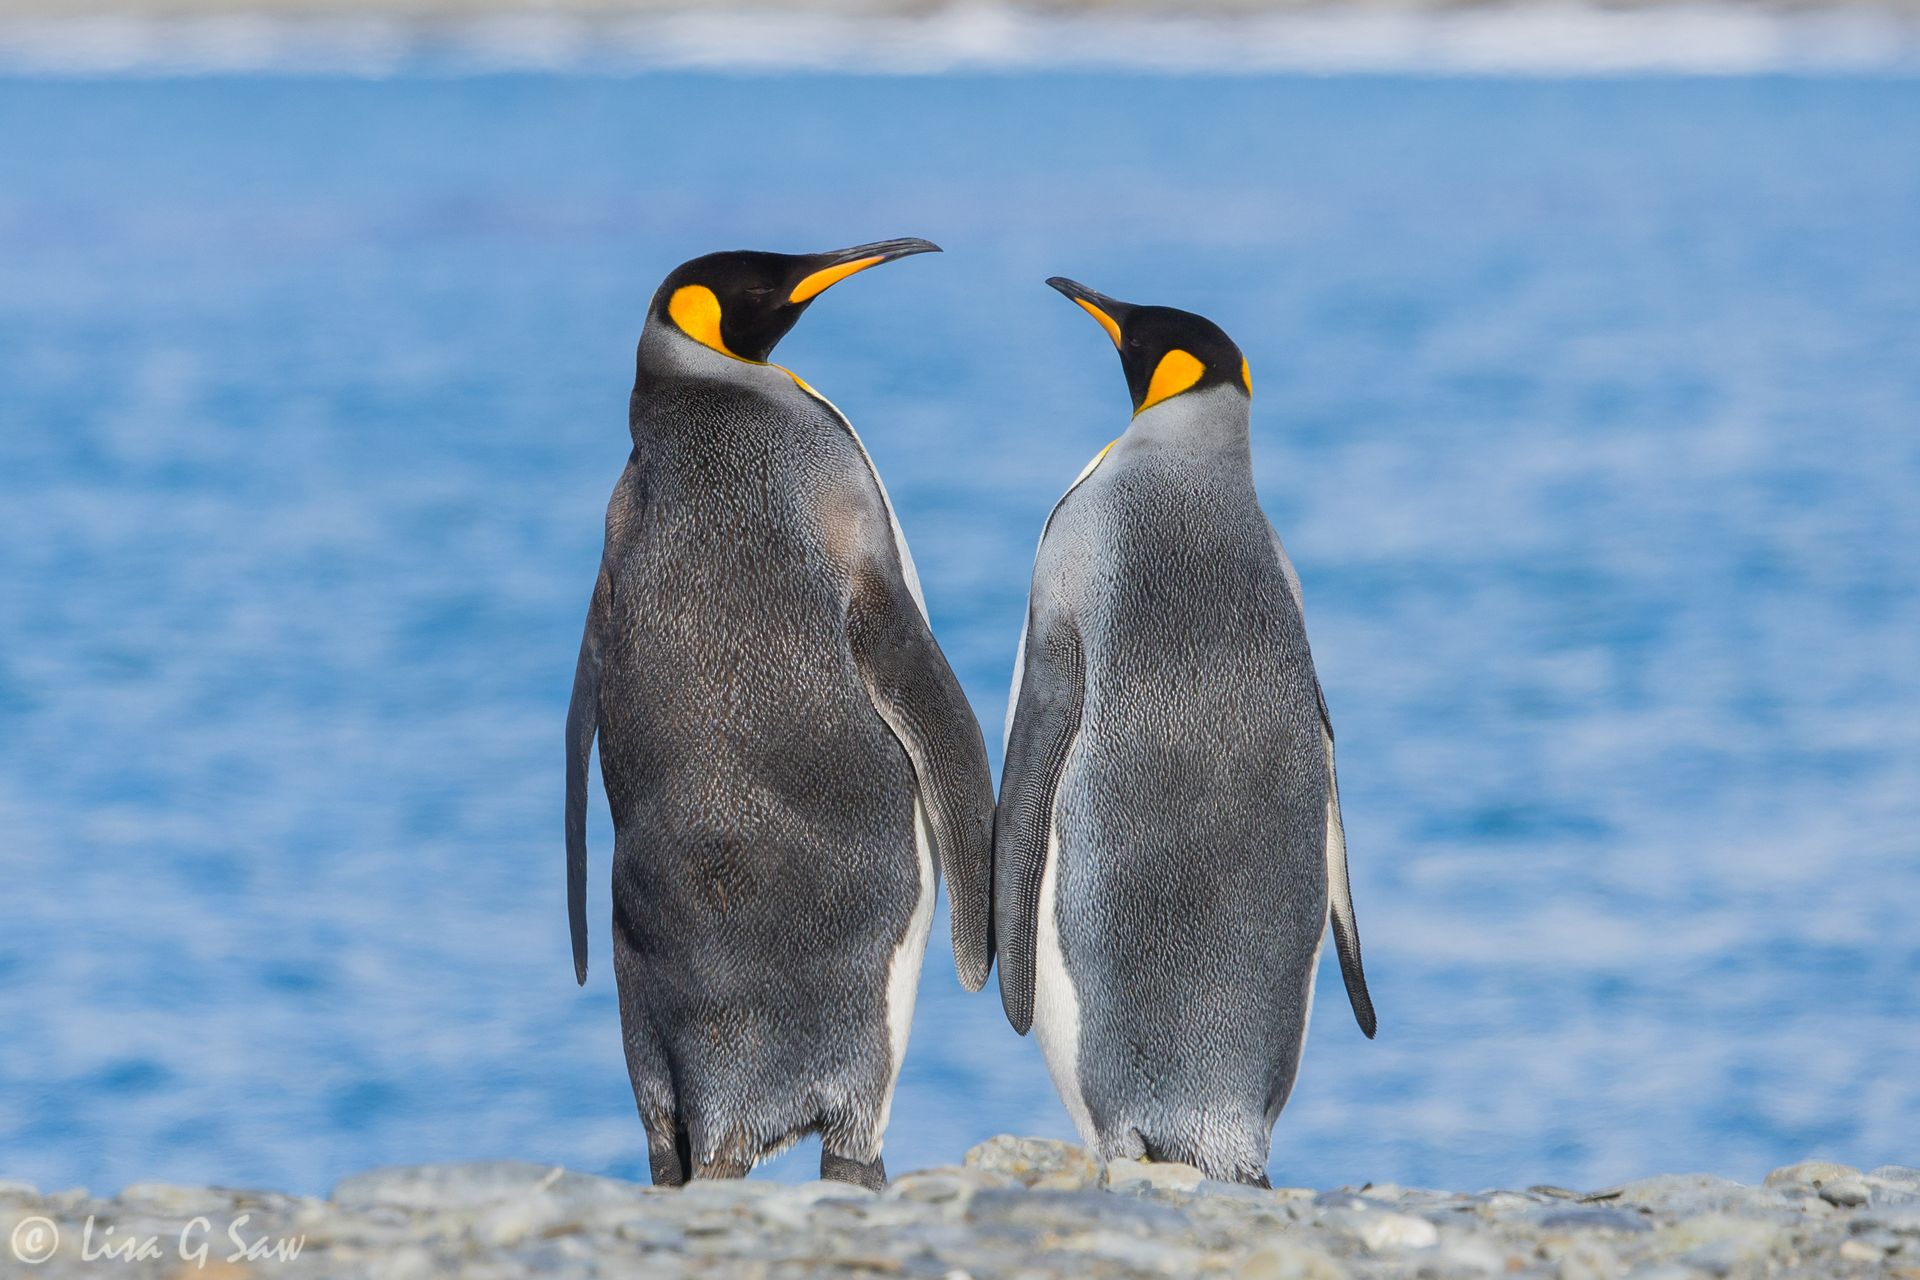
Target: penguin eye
(759, 290)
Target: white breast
(1056, 1005)
(903, 972)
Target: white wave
(1546, 38)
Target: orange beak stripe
(827, 277)
(1106, 321)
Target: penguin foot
(872, 1174)
(668, 1158)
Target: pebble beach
(1016, 1207)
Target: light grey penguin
(785, 750)
(1168, 846)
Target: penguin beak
(824, 270)
(1110, 312)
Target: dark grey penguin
(785, 750)
(1168, 846)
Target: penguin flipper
(583, 721)
(916, 694)
(1346, 928)
(1041, 730)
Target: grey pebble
(1074, 1209)
(1847, 1193)
(1810, 1173)
(1897, 1174)
(1344, 1199)
(1039, 1162)
(1590, 1217)
(1903, 1220)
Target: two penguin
(788, 757)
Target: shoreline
(1529, 38)
(1017, 1205)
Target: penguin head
(1164, 352)
(742, 302)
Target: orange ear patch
(696, 309)
(1176, 371)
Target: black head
(1163, 351)
(741, 303)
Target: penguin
(1168, 846)
(785, 752)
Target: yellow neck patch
(1106, 321)
(696, 310)
(821, 281)
(1246, 375)
(1176, 371)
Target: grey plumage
(784, 750)
(1163, 842)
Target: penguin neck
(1217, 421)
(667, 354)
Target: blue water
(1590, 412)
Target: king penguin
(1168, 847)
(786, 752)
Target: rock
(1588, 1260)
(1285, 1260)
(166, 1197)
(1261, 1198)
(949, 1184)
(1153, 1175)
(1039, 1162)
(1385, 1232)
(1496, 1203)
(1344, 1199)
(1717, 1243)
(1594, 1217)
(654, 1233)
(795, 1207)
(513, 1220)
(1846, 1193)
(431, 1187)
(1682, 1194)
(1032, 1209)
(407, 1263)
(1903, 1220)
(1464, 1256)
(1810, 1173)
(1071, 1210)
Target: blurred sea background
(1586, 403)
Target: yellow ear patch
(1106, 321)
(1176, 371)
(827, 277)
(697, 311)
(1246, 375)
